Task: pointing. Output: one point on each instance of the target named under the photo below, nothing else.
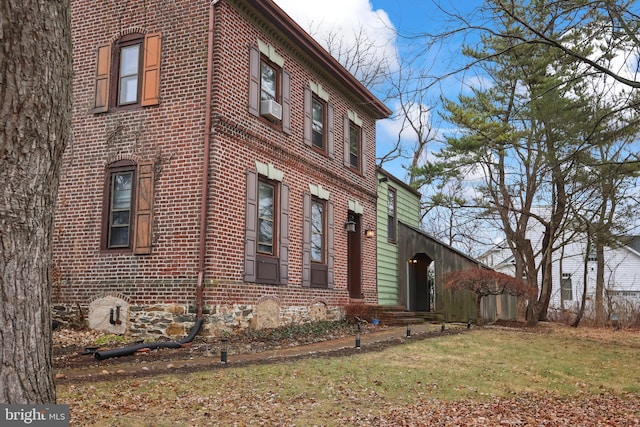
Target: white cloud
(345, 18)
(398, 124)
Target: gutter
(205, 166)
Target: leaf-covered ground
(238, 408)
(489, 377)
(532, 410)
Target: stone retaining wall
(175, 321)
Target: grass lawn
(488, 376)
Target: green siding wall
(408, 207)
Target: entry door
(354, 242)
(421, 284)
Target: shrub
(302, 332)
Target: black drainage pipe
(125, 351)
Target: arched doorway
(421, 289)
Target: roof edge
(440, 242)
(398, 181)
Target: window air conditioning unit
(271, 109)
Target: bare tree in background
(359, 54)
(456, 220)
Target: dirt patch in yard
(74, 359)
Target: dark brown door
(354, 242)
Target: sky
(410, 18)
(380, 19)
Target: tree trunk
(532, 279)
(585, 277)
(35, 112)
(480, 320)
(547, 286)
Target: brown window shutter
(250, 227)
(363, 152)
(286, 102)
(307, 115)
(103, 71)
(347, 153)
(254, 80)
(330, 245)
(331, 131)
(284, 234)
(306, 240)
(151, 69)
(144, 209)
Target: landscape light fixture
(223, 351)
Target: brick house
(145, 242)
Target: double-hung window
(318, 231)
(392, 215)
(318, 123)
(269, 78)
(128, 207)
(318, 239)
(266, 226)
(120, 208)
(354, 143)
(267, 223)
(355, 146)
(566, 287)
(319, 129)
(128, 72)
(128, 56)
(269, 86)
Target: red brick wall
(172, 134)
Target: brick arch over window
(100, 295)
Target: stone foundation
(175, 321)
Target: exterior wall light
(369, 233)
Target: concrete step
(395, 316)
(431, 316)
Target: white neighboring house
(621, 278)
